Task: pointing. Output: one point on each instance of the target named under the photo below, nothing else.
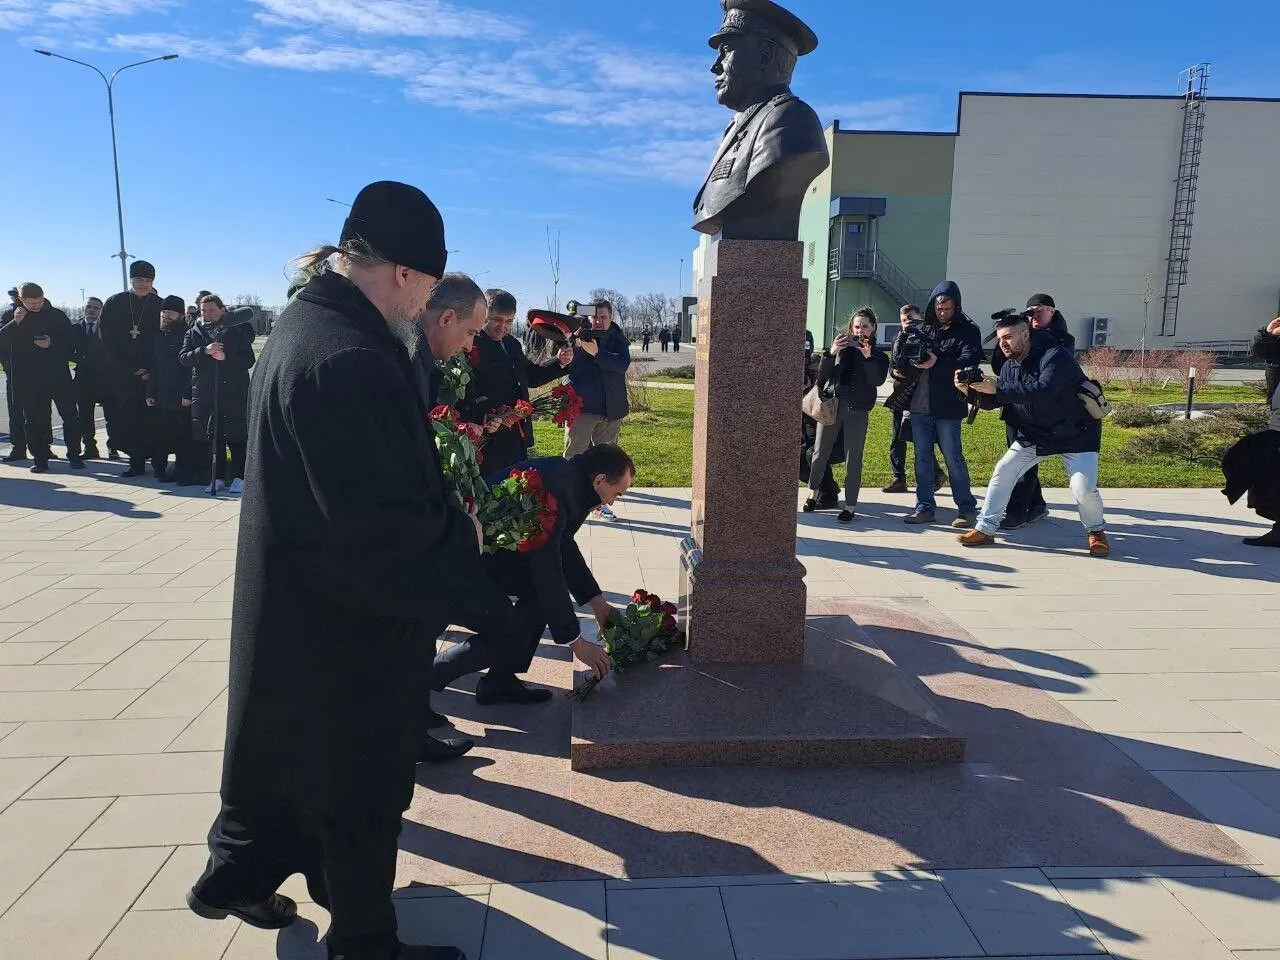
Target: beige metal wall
(1073, 195)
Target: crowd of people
(935, 369)
(171, 380)
(668, 338)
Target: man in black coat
(344, 564)
(17, 430)
(1039, 389)
(40, 342)
(218, 352)
(546, 582)
(130, 322)
(1027, 503)
(501, 377)
(91, 378)
(169, 395)
(938, 411)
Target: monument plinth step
(846, 703)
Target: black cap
(400, 223)
(1040, 300)
(13, 291)
(142, 270)
(766, 19)
(173, 303)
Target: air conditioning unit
(1099, 331)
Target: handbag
(824, 409)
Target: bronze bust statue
(775, 147)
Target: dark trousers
(173, 436)
(17, 426)
(349, 863)
(1027, 495)
(36, 399)
(129, 420)
(504, 654)
(88, 397)
(227, 471)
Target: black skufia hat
(173, 303)
(400, 223)
(141, 270)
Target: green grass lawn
(1213, 393)
(661, 442)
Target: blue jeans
(925, 432)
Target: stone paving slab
(114, 600)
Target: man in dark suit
(546, 582)
(775, 146)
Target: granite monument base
(845, 703)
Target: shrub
(1202, 439)
(680, 373)
(1139, 415)
(1202, 360)
(1101, 363)
(637, 391)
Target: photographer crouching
(1039, 387)
(1027, 503)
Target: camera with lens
(918, 341)
(582, 312)
(969, 375)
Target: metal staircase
(875, 265)
(1184, 198)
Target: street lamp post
(115, 153)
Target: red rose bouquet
(458, 445)
(519, 513)
(640, 634)
(562, 404)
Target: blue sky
(594, 118)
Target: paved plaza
(1121, 794)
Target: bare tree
(654, 310)
(553, 255)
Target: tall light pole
(115, 153)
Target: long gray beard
(405, 329)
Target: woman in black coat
(855, 367)
(501, 377)
(220, 348)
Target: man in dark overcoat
(546, 582)
(344, 565)
(501, 377)
(128, 328)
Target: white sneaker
(607, 514)
(237, 486)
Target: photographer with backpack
(1040, 388)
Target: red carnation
(669, 609)
(440, 414)
(640, 597)
(524, 408)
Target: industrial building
(1149, 219)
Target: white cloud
(164, 43)
(681, 162)
(900, 113)
(396, 18)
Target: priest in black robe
(128, 328)
(347, 568)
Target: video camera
(918, 341)
(1005, 314)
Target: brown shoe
(898, 486)
(965, 521)
(975, 538)
(1099, 545)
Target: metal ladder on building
(1184, 196)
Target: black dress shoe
(1269, 539)
(828, 503)
(846, 516)
(76, 463)
(442, 750)
(16, 455)
(489, 692)
(91, 453)
(113, 454)
(424, 952)
(1013, 521)
(53, 456)
(135, 471)
(810, 505)
(274, 913)
(40, 466)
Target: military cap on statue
(765, 18)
